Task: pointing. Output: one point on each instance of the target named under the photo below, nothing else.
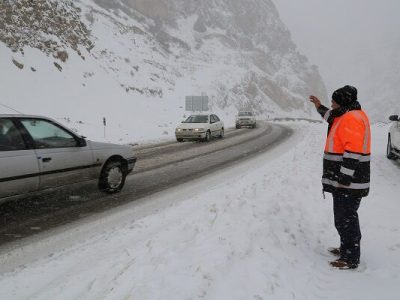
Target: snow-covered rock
(127, 60)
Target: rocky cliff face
(48, 26)
(252, 36)
(237, 52)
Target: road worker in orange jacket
(346, 169)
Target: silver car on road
(245, 118)
(37, 153)
(200, 127)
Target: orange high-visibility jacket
(347, 155)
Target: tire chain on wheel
(104, 185)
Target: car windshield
(197, 119)
(245, 113)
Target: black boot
(343, 265)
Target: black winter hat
(352, 91)
(345, 95)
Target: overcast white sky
(333, 34)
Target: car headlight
(178, 130)
(199, 129)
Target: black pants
(346, 222)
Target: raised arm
(321, 109)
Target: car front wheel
(222, 133)
(112, 178)
(389, 149)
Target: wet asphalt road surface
(158, 167)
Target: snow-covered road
(258, 230)
(159, 167)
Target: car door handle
(46, 159)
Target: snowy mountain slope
(132, 61)
(258, 230)
(381, 79)
(351, 46)
(375, 70)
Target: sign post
(104, 124)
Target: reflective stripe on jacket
(347, 155)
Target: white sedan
(393, 144)
(37, 153)
(246, 118)
(200, 127)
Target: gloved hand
(344, 179)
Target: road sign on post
(196, 103)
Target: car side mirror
(394, 118)
(82, 142)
